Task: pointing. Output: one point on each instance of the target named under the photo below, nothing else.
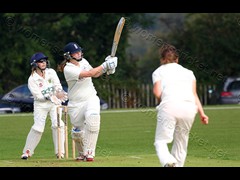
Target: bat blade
(117, 36)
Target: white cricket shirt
(79, 89)
(37, 84)
(176, 83)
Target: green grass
(126, 140)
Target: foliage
(209, 44)
(149, 40)
(23, 34)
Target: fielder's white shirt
(37, 84)
(78, 89)
(176, 83)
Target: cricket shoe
(62, 156)
(170, 165)
(81, 158)
(89, 158)
(26, 155)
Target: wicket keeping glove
(62, 95)
(52, 98)
(55, 100)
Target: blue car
(9, 108)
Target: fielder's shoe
(80, 158)
(62, 156)
(89, 157)
(26, 155)
(170, 165)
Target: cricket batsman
(84, 104)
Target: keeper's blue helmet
(37, 57)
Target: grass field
(126, 140)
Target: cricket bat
(117, 36)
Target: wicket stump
(73, 149)
(65, 120)
(59, 112)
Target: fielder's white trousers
(174, 121)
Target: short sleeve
(156, 76)
(192, 76)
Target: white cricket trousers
(174, 121)
(86, 117)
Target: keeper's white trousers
(41, 111)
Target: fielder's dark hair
(168, 54)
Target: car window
(17, 93)
(21, 92)
(235, 85)
(26, 92)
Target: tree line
(208, 43)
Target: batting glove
(111, 71)
(110, 63)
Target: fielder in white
(47, 91)
(175, 88)
(84, 104)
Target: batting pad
(77, 134)
(91, 134)
(78, 137)
(79, 147)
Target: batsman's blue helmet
(72, 47)
(37, 57)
